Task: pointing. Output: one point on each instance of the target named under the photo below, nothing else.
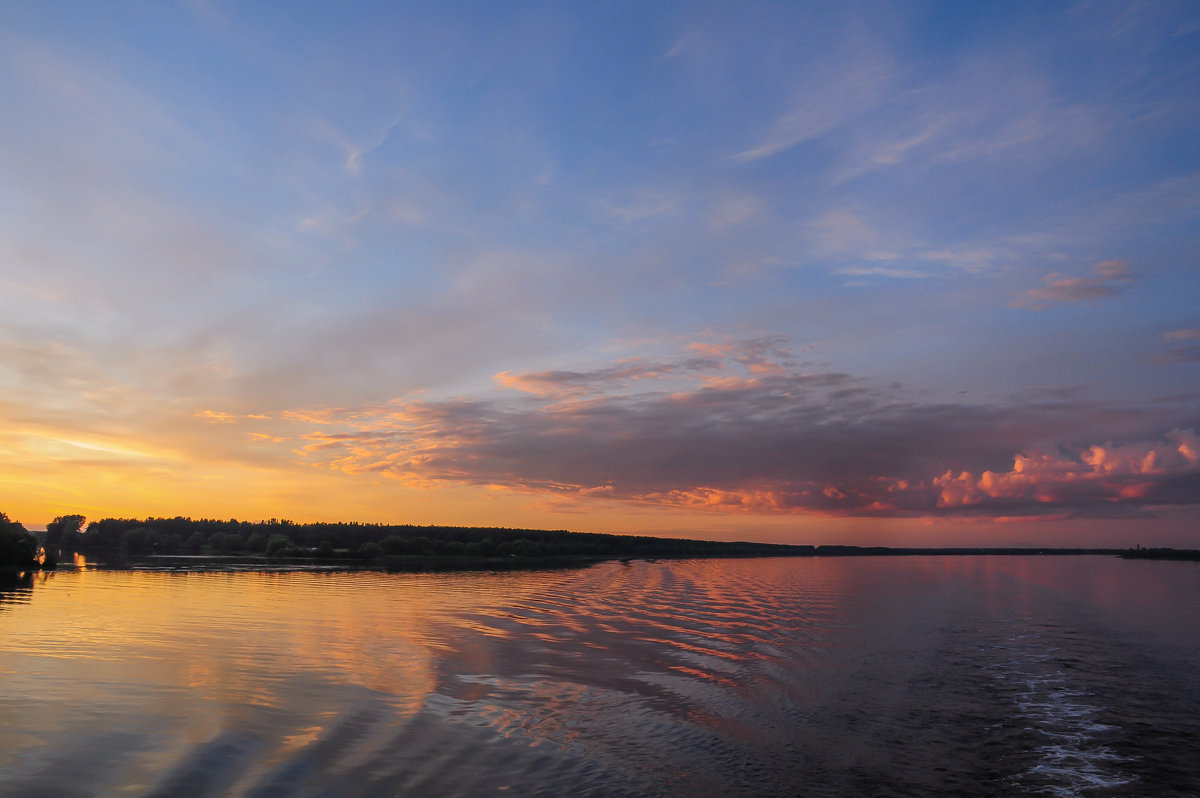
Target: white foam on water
(1072, 759)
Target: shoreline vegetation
(182, 543)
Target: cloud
(217, 416)
(1142, 473)
(1179, 354)
(313, 252)
(769, 354)
(638, 206)
(1108, 277)
(572, 383)
(988, 106)
(774, 442)
(735, 210)
(822, 101)
(883, 271)
(353, 150)
(812, 80)
(839, 232)
(973, 260)
(681, 45)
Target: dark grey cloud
(787, 442)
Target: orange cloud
(216, 416)
(576, 383)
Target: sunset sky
(907, 274)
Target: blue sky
(470, 238)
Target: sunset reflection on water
(695, 677)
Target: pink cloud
(760, 356)
(1107, 278)
(1102, 473)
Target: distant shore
(184, 543)
(418, 563)
(1190, 555)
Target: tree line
(282, 538)
(18, 546)
(393, 543)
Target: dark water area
(809, 676)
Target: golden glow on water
(176, 629)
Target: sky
(898, 274)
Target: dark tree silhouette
(17, 546)
(63, 533)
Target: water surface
(813, 676)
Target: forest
(412, 547)
(18, 546)
(396, 545)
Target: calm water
(857, 676)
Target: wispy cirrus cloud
(824, 99)
(870, 246)
(967, 118)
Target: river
(953, 675)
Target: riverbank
(1188, 555)
(432, 563)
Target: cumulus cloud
(1108, 277)
(1141, 473)
(727, 439)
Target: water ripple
(912, 676)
